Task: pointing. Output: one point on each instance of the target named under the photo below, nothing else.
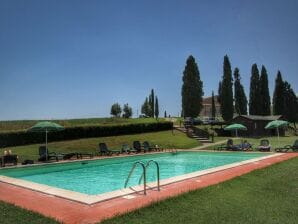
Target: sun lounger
(45, 155)
(104, 150)
(126, 149)
(286, 148)
(264, 145)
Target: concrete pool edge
(69, 212)
(93, 199)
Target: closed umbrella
(235, 127)
(276, 124)
(46, 126)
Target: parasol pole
(236, 132)
(277, 136)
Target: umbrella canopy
(276, 124)
(46, 126)
(235, 127)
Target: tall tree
(254, 94)
(192, 89)
(156, 108)
(151, 103)
(213, 108)
(146, 108)
(265, 109)
(116, 110)
(226, 98)
(240, 97)
(165, 115)
(219, 95)
(278, 95)
(127, 111)
(291, 104)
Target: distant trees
(254, 93)
(213, 108)
(165, 114)
(116, 110)
(239, 93)
(192, 89)
(156, 108)
(127, 111)
(264, 97)
(149, 106)
(226, 91)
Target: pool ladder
(143, 176)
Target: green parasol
(277, 124)
(235, 127)
(46, 126)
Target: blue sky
(72, 59)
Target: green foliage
(146, 108)
(165, 115)
(278, 95)
(192, 89)
(265, 108)
(156, 112)
(226, 96)
(127, 111)
(116, 110)
(213, 108)
(240, 97)
(23, 137)
(254, 94)
(151, 104)
(291, 103)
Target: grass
(19, 125)
(165, 139)
(263, 196)
(13, 214)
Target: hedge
(8, 139)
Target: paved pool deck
(70, 212)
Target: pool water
(100, 176)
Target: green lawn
(264, 196)
(10, 214)
(25, 124)
(165, 139)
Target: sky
(62, 59)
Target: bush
(24, 138)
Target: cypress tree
(291, 104)
(151, 103)
(226, 97)
(213, 108)
(192, 89)
(265, 109)
(165, 115)
(146, 108)
(240, 97)
(156, 112)
(278, 95)
(254, 94)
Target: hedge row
(23, 138)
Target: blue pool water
(100, 176)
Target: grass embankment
(165, 139)
(263, 196)
(19, 125)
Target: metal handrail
(131, 172)
(157, 172)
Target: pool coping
(93, 199)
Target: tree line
(231, 93)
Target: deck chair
(264, 145)
(286, 148)
(45, 155)
(228, 146)
(104, 150)
(126, 149)
(147, 147)
(136, 145)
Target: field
(6, 126)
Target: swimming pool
(100, 176)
